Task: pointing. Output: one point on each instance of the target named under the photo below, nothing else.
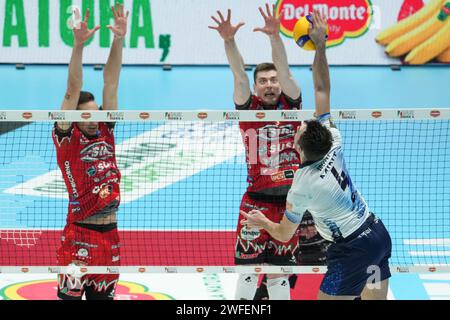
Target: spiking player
(86, 156)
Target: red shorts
(84, 246)
(257, 246)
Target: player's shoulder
(294, 103)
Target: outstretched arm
(272, 28)
(113, 67)
(282, 231)
(321, 73)
(75, 79)
(227, 31)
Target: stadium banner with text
(361, 32)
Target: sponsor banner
(37, 31)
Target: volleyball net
(184, 175)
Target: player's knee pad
(246, 286)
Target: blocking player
(270, 154)
(86, 156)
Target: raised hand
(318, 30)
(272, 26)
(120, 21)
(81, 32)
(226, 30)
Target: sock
(246, 286)
(279, 288)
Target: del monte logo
(346, 18)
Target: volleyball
(301, 33)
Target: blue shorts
(359, 259)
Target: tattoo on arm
(68, 96)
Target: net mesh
(183, 181)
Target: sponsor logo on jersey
(107, 175)
(76, 210)
(97, 151)
(250, 234)
(83, 253)
(273, 132)
(278, 177)
(105, 191)
(91, 171)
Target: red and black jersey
(269, 146)
(89, 169)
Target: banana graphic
(387, 36)
(445, 56)
(431, 48)
(412, 39)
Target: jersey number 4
(343, 181)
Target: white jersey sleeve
(299, 204)
(325, 189)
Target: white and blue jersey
(325, 189)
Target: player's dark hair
(262, 67)
(316, 141)
(85, 97)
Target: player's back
(326, 190)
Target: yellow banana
(412, 39)
(445, 56)
(431, 48)
(408, 24)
